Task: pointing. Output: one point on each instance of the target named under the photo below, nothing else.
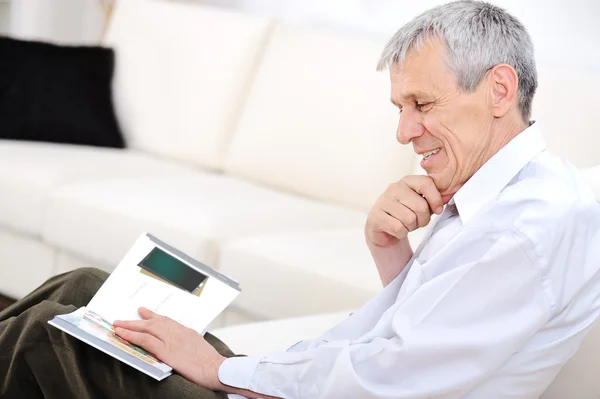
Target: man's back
(557, 215)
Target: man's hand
(178, 346)
(403, 207)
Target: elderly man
(492, 304)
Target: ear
(505, 84)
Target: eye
(424, 107)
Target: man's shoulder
(549, 186)
(547, 199)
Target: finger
(411, 199)
(419, 206)
(158, 328)
(402, 213)
(425, 186)
(147, 314)
(388, 224)
(144, 340)
(446, 198)
(133, 325)
(408, 197)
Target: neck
(503, 131)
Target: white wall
(4, 16)
(564, 32)
(61, 21)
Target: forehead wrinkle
(414, 95)
(424, 73)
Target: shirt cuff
(238, 371)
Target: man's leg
(38, 360)
(74, 288)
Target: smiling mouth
(429, 154)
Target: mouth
(428, 156)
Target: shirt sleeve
(455, 330)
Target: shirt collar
(497, 172)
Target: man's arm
(181, 348)
(404, 206)
(391, 260)
(446, 338)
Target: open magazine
(158, 277)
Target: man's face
(436, 116)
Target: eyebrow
(412, 96)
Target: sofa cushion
(276, 335)
(101, 219)
(26, 264)
(318, 120)
(181, 75)
(579, 377)
(58, 94)
(30, 171)
(334, 266)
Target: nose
(409, 126)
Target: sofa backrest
(578, 379)
(566, 104)
(318, 120)
(182, 72)
(296, 108)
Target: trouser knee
(87, 276)
(79, 286)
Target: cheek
(444, 136)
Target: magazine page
(92, 328)
(162, 279)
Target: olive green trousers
(40, 361)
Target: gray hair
(478, 36)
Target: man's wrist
(390, 261)
(213, 382)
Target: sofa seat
(26, 263)
(303, 272)
(100, 219)
(30, 171)
(276, 335)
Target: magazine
(158, 277)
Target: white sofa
(254, 146)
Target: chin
(433, 174)
(440, 183)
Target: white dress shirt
(490, 306)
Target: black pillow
(58, 94)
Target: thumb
(446, 198)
